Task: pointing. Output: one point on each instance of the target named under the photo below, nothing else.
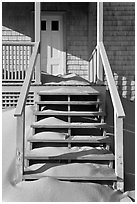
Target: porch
(83, 53)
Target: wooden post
(99, 39)
(20, 147)
(119, 169)
(37, 39)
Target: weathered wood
(99, 39)
(71, 113)
(98, 139)
(68, 93)
(70, 125)
(119, 165)
(17, 43)
(37, 39)
(14, 62)
(89, 157)
(110, 177)
(26, 84)
(69, 102)
(95, 67)
(20, 147)
(111, 83)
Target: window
(43, 25)
(54, 25)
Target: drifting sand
(72, 170)
(50, 136)
(50, 121)
(45, 189)
(68, 79)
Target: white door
(52, 44)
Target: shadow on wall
(129, 138)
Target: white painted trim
(111, 83)
(37, 39)
(26, 84)
(99, 39)
(119, 165)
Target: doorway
(52, 53)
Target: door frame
(63, 14)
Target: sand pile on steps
(50, 121)
(68, 79)
(70, 170)
(45, 189)
(73, 152)
(49, 136)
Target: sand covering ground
(46, 189)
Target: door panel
(52, 44)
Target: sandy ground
(46, 189)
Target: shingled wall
(81, 31)
(17, 21)
(119, 40)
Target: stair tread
(69, 102)
(74, 90)
(71, 113)
(103, 157)
(94, 178)
(68, 93)
(59, 153)
(73, 171)
(70, 125)
(76, 139)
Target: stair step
(69, 102)
(69, 93)
(93, 178)
(97, 139)
(70, 113)
(71, 171)
(64, 153)
(70, 125)
(103, 157)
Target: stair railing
(118, 108)
(118, 116)
(20, 114)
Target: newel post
(99, 39)
(119, 166)
(20, 134)
(37, 39)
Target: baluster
(15, 62)
(22, 62)
(26, 47)
(4, 63)
(33, 75)
(8, 62)
(19, 52)
(95, 65)
(12, 62)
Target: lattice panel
(10, 99)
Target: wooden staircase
(69, 132)
(77, 115)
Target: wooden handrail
(16, 43)
(111, 83)
(27, 81)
